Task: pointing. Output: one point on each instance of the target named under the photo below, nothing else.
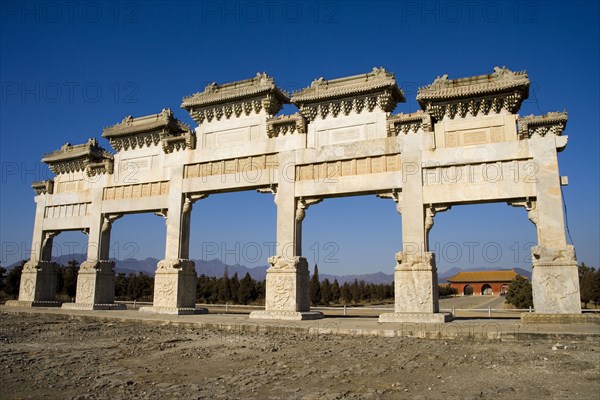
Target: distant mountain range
(216, 267)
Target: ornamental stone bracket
(162, 213)
(189, 200)
(272, 189)
(529, 205)
(396, 195)
(43, 187)
(303, 204)
(108, 220)
(431, 211)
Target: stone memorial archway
(467, 145)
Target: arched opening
(504, 290)
(137, 243)
(233, 231)
(468, 290)
(354, 239)
(486, 290)
(69, 250)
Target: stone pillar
(176, 279)
(555, 277)
(96, 276)
(38, 279)
(287, 288)
(415, 275)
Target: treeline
(66, 281)
(209, 289)
(589, 285)
(212, 290)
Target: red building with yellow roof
(482, 282)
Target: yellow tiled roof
(484, 276)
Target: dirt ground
(46, 356)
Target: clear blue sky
(68, 69)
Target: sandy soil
(45, 356)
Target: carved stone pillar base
(287, 290)
(415, 283)
(555, 281)
(175, 288)
(286, 315)
(428, 318)
(38, 284)
(95, 287)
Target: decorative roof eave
(284, 124)
(43, 187)
(501, 90)
(406, 123)
(501, 80)
(143, 131)
(72, 158)
(483, 276)
(376, 81)
(540, 125)
(163, 121)
(222, 93)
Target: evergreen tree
(121, 286)
(326, 294)
(589, 285)
(234, 288)
(355, 291)
(70, 278)
(224, 291)
(335, 291)
(2, 278)
(247, 289)
(346, 293)
(13, 280)
(315, 287)
(520, 294)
